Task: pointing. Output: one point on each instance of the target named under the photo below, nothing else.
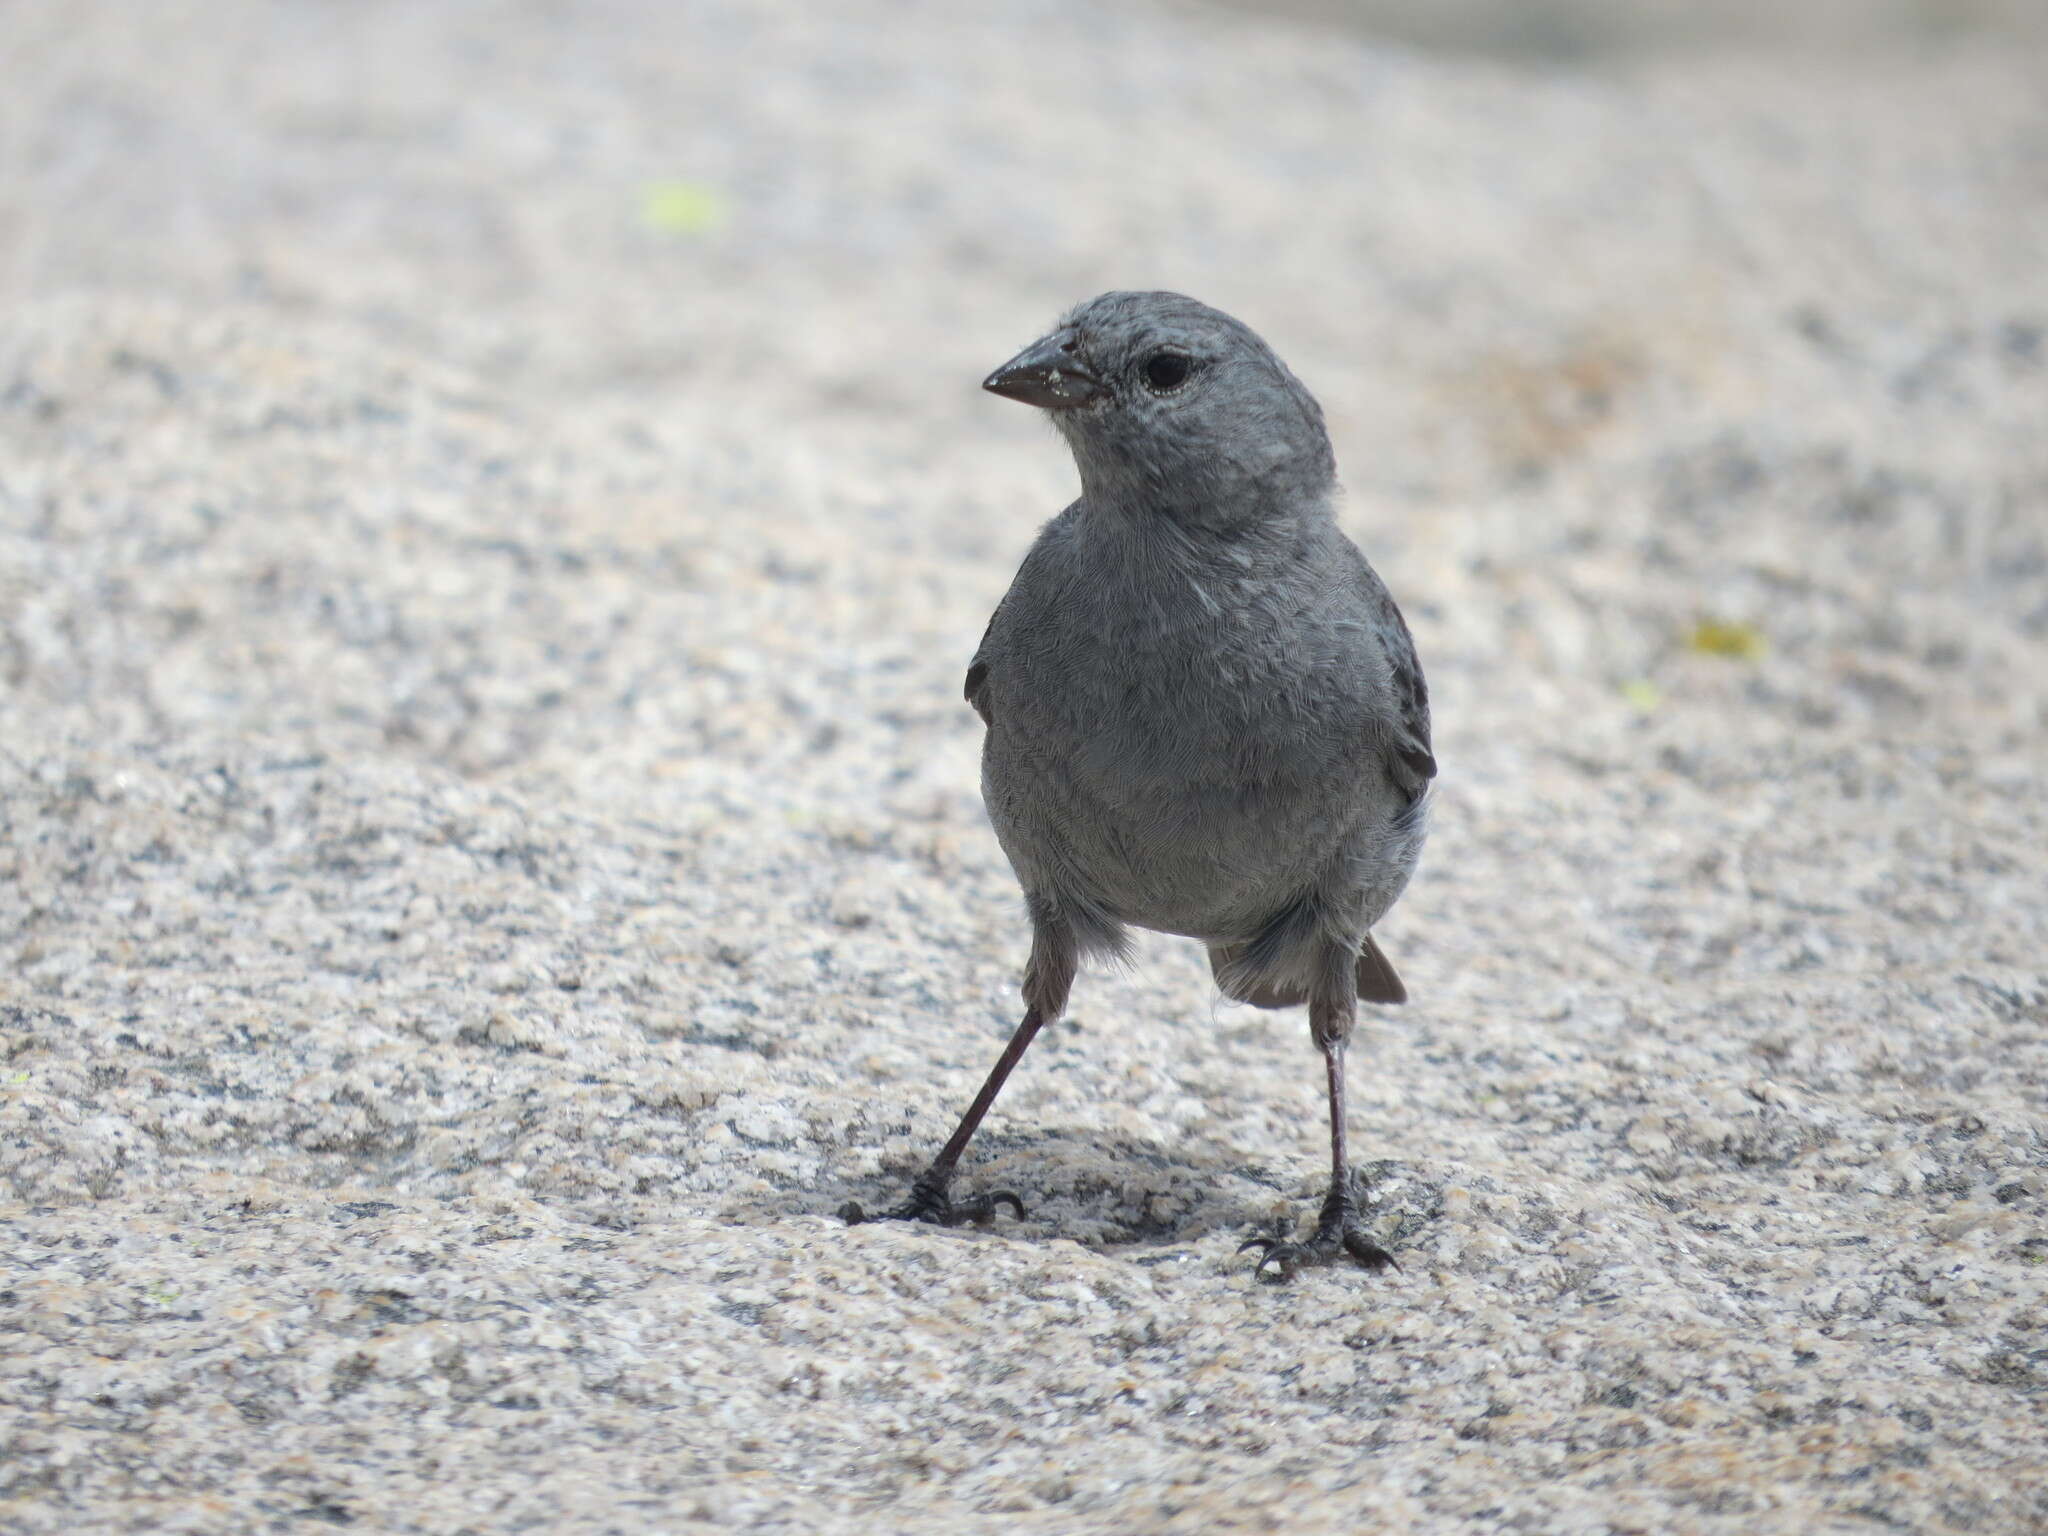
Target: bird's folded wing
(1411, 763)
(976, 689)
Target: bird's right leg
(1048, 978)
(1332, 1009)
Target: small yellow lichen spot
(1714, 637)
(1642, 694)
(682, 207)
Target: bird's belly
(1214, 886)
(1212, 860)
(1182, 774)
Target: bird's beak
(1048, 374)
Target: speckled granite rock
(491, 847)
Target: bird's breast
(1192, 761)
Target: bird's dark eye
(1167, 371)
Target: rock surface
(494, 508)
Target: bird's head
(1173, 408)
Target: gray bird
(1204, 711)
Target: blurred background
(581, 399)
(495, 505)
(1594, 33)
(1564, 242)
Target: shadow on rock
(1122, 1194)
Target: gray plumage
(1204, 711)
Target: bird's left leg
(1332, 1009)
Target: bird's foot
(929, 1202)
(1338, 1236)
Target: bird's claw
(932, 1205)
(1328, 1245)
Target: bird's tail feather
(1378, 981)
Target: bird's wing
(1410, 760)
(976, 690)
